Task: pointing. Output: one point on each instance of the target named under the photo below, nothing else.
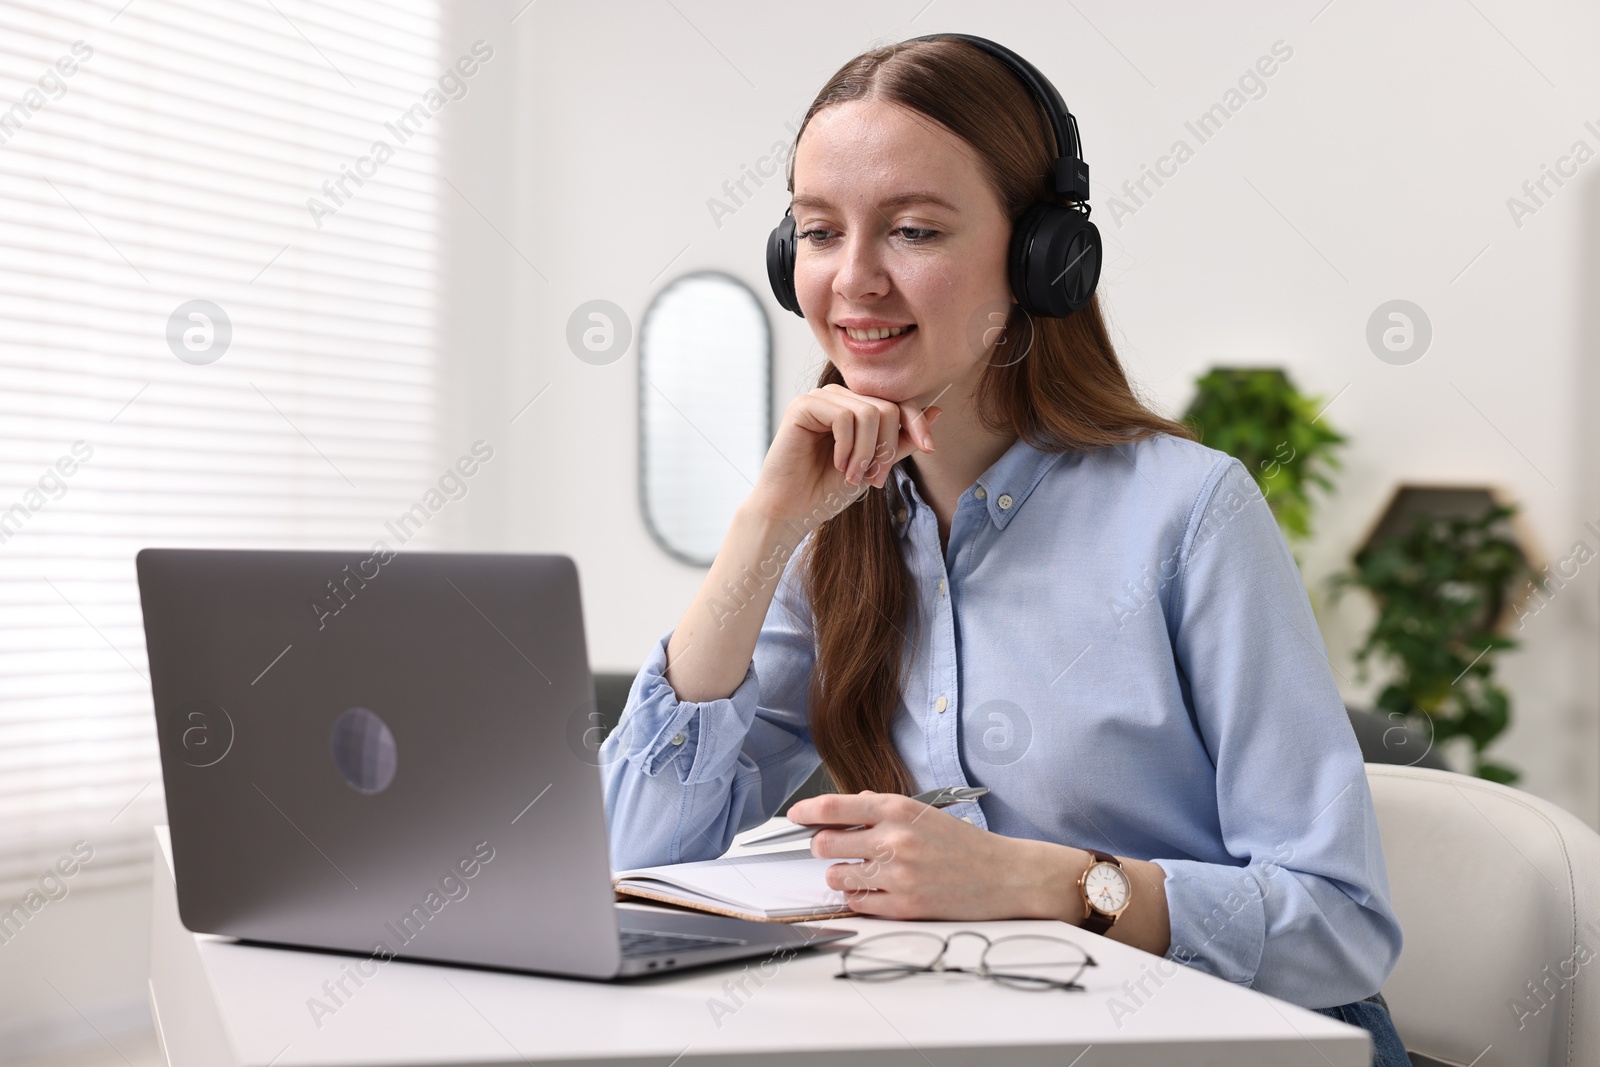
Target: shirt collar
(1002, 488)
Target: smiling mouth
(877, 333)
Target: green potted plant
(1441, 587)
(1256, 415)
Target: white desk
(218, 1003)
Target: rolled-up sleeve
(681, 777)
(1302, 910)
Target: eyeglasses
(1033, 962)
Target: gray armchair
(1386, 740)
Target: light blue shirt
(1116, 642)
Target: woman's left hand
(921, 862)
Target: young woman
(974, 557)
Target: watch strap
(1097, 922)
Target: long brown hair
(1069, 392)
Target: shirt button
(942, 587)
(1004, 501)
(940, 704)
(678, 738)
(968, 820)
(980, 492)
(900, 515)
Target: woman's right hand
(834, 441)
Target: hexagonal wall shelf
(1456, 501)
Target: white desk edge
(218, 1002)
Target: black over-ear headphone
(1054, 262)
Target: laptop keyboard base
(637, 943)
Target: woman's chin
(885, 383)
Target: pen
(936, 798)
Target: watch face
(1107, 888)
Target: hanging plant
(1441, 589)
(1256, 415)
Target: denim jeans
(1372, 1015)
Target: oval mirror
(705, 410)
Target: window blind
(192, 351)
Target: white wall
(1376, 166)
(75, 977)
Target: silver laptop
(390, 754)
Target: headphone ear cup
(780, 264)
(1054, 260)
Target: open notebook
(785, 886)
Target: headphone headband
(1071, 172)
(1053, 263)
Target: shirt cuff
(1217, 917)
(700, 738)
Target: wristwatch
(1106, 891)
